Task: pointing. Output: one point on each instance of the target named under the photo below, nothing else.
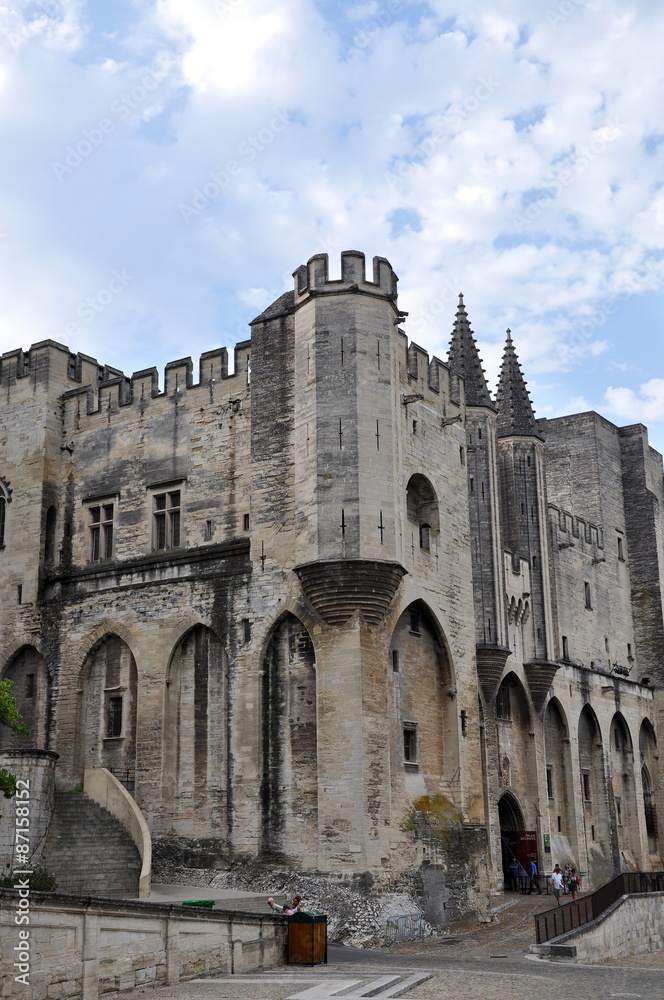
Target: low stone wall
(81, 946)
(634, 925)
(36, 769)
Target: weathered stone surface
(300, 606)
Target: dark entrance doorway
(515, 841)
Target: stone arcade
(342, 606)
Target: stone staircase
(88, 851)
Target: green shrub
(39, 879)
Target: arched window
(5, 498)
(649, 808)
(503, 703)
(49, 545)
(422, 508)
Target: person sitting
(289, 908)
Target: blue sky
(203, 149)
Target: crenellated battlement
(87, 387)
(313, 278)
(430, 373)
(575, 527)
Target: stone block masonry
(634, 925)
(88, 947)
(341, 610)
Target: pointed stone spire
(515, 410)
(464, 358)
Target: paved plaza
(490, 962)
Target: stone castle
(341, 607)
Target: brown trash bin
(307, 938)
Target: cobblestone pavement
(489, 962)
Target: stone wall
(634, 925)
(82, 946)
(36, 770)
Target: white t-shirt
(557, 879)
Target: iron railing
(569, 916)
(406, 928)
(125, 776)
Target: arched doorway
(289, 781)
(510, 818)
(106, 720)
(196, 786)
(31, 688)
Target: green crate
(209, 903)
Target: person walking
(557, 883)
(573, 884)
(534, 879)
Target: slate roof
(515, 410)
(280, 307)
(464, 358)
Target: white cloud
(474, 125)
(646, 406)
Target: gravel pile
(357, 906)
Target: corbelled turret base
(338, 587)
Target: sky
(166, 166)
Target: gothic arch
(196, 781)
(289, 771)
(510, 813)
(263, 631)
(14, 647)
(517, 764)
(106, 710)
(422, 508)
(424, 738)
(623, 786)
(649, 762)
(592, 780)
(31, 687)
(95, 636)
(511, 823)
(559, 781)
